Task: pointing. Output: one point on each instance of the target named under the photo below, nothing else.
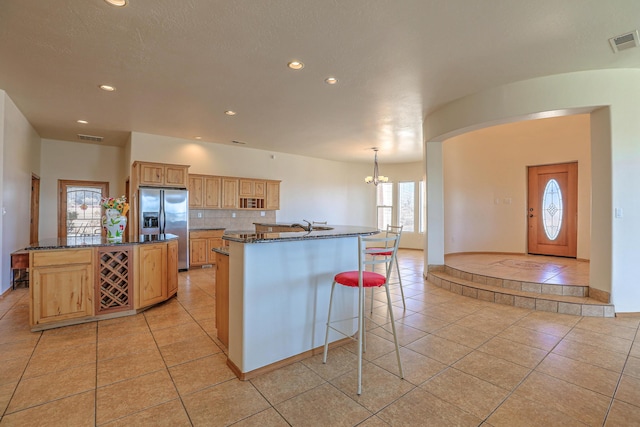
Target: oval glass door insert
(552, 209)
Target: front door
(553, 210)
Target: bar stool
(363, 279)
(392, 230)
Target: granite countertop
(336, 232)
(205, 228)
(93, 241)
(223, 250)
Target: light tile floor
(467, 363)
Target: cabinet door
(152, 269)
(175, 176)
(61, 293)
(213, 242)
(273, 196)
(222, 298)
(172, 268)
(151, 174)
(259, 189)
(229, 193)
(211, 192)
(195, 191)
(197, 252)
(247, 188)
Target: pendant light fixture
(376, 178)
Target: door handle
(530, 215)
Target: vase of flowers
(114, 220)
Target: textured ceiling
(178, 65)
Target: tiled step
(565, 304)
(518, 285)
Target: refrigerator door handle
(163, 218)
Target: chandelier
(376, 179)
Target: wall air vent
(625, 41)
(91, 138)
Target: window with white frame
(384, 204)
(404, 209)
(423, 208)
(406, 205)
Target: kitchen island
(83, 279)
(279, 286)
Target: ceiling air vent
(625, 41)
(91, 138)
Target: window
(384, 205)
(406, 205)
(552, 209)
(80, 211)
(423, 208)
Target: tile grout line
(615, 390)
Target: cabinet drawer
(63, 257)
(205, 234)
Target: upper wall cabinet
(273, 196)
(222, 192)
(161, 174)
(204, 191)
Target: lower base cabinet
(70, 286)
(61, 287)
(222, 297)
(172, 268)
(151, 275)
(201, 245)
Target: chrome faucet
(308, 227)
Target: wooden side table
(19, 262)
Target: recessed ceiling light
(107, 88)
(331, 80)
(295, 65)
(117, 3)
(82, 122)
(197, 137)
(230, 113)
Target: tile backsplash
(243, 220)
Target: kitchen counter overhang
(270, 237)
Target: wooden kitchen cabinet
(221, 192)
(161, 174)
(222, 297)
(172, 268)
(61, 285)
(204, 191)
(251, 188)
(151, 275)
(201, 244)
(229, 198)
(272, 195)
(196, 191)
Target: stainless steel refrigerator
(166, 210)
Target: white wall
(485, 181)
(614, 142)
(313, 189)
(75, 161)
(20, 148)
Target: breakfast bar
(87, 278)
(279, 286)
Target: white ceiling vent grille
(625, 41)
(91, 138)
